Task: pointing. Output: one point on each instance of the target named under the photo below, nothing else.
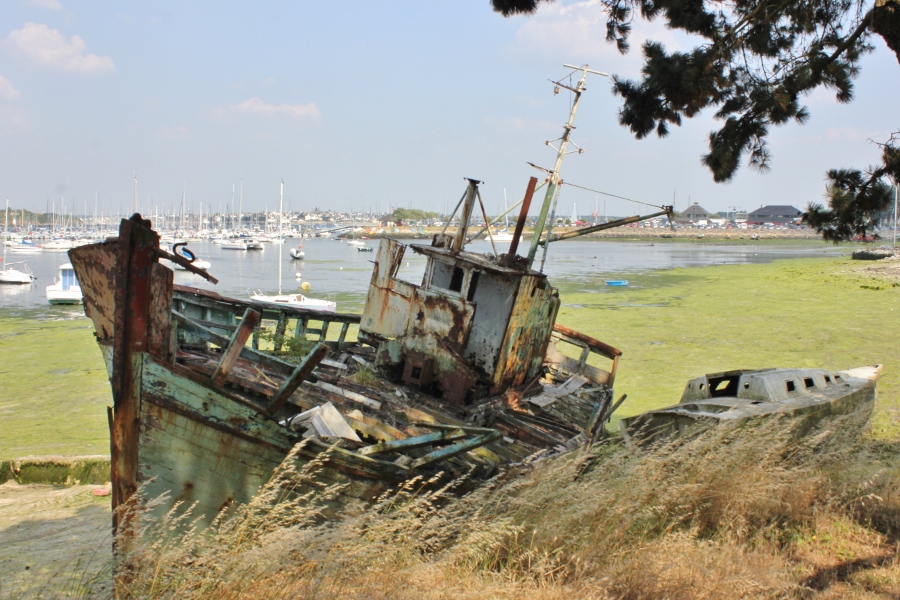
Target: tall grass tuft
(746, 513)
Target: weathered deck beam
(248, 324)
(310, 362)
(412, 442)
(455, 449)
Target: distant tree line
(412, 214)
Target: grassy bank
(53, 387)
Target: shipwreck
(472, 372)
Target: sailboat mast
(280, 229)
(240, 206)
(552, 194)
(5, 232)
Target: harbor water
(338, 271)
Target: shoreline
(645, 233)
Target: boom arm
(667, 210)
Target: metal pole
(468, 205)
(552, 189)
(280, 229)
(523, 215)
(509, 210)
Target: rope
(611, 195)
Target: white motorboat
(11, 275)
(26, 248)
(58, 246)
(65, 290)
(255, 244)
(503, 236)
(297, 300)
(355, 243)
(297, 253)
(7, 273)
(235, 244)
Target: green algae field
(671, 325)
(53, 387)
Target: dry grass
(735, 514)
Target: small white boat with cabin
(235, 244)
(58, 246)
(297, 301)
(65, 290)
(26, 247)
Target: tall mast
(280, 217)
(241, 206)
(5, 232)
(552, 194)
(134, 198)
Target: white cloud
(50, 48)
(576, 33)
(257, 106)
(7, 91)
(48, 4)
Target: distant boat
(355, 243)
(8, 274)
(503, 236)
(255, 244)
(66, 289)
(234, 245)
(297, 253)
(58, 246)
(365, 248)
(296, 300)
(617, 282)
(26, 248)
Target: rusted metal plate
(95, 268)
(527, 335)
(441, 315)
(160, 311)
(387, 309)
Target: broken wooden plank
(455, 449)
(371, 403)
(412, 442)
(248, 323)
(296, 378)
(260, 358)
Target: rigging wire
(611, 195)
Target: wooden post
(303, 371)
(249, 322)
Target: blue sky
(364, 105)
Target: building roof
(695, 209)
(776, 210)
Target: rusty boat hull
(211, 394)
